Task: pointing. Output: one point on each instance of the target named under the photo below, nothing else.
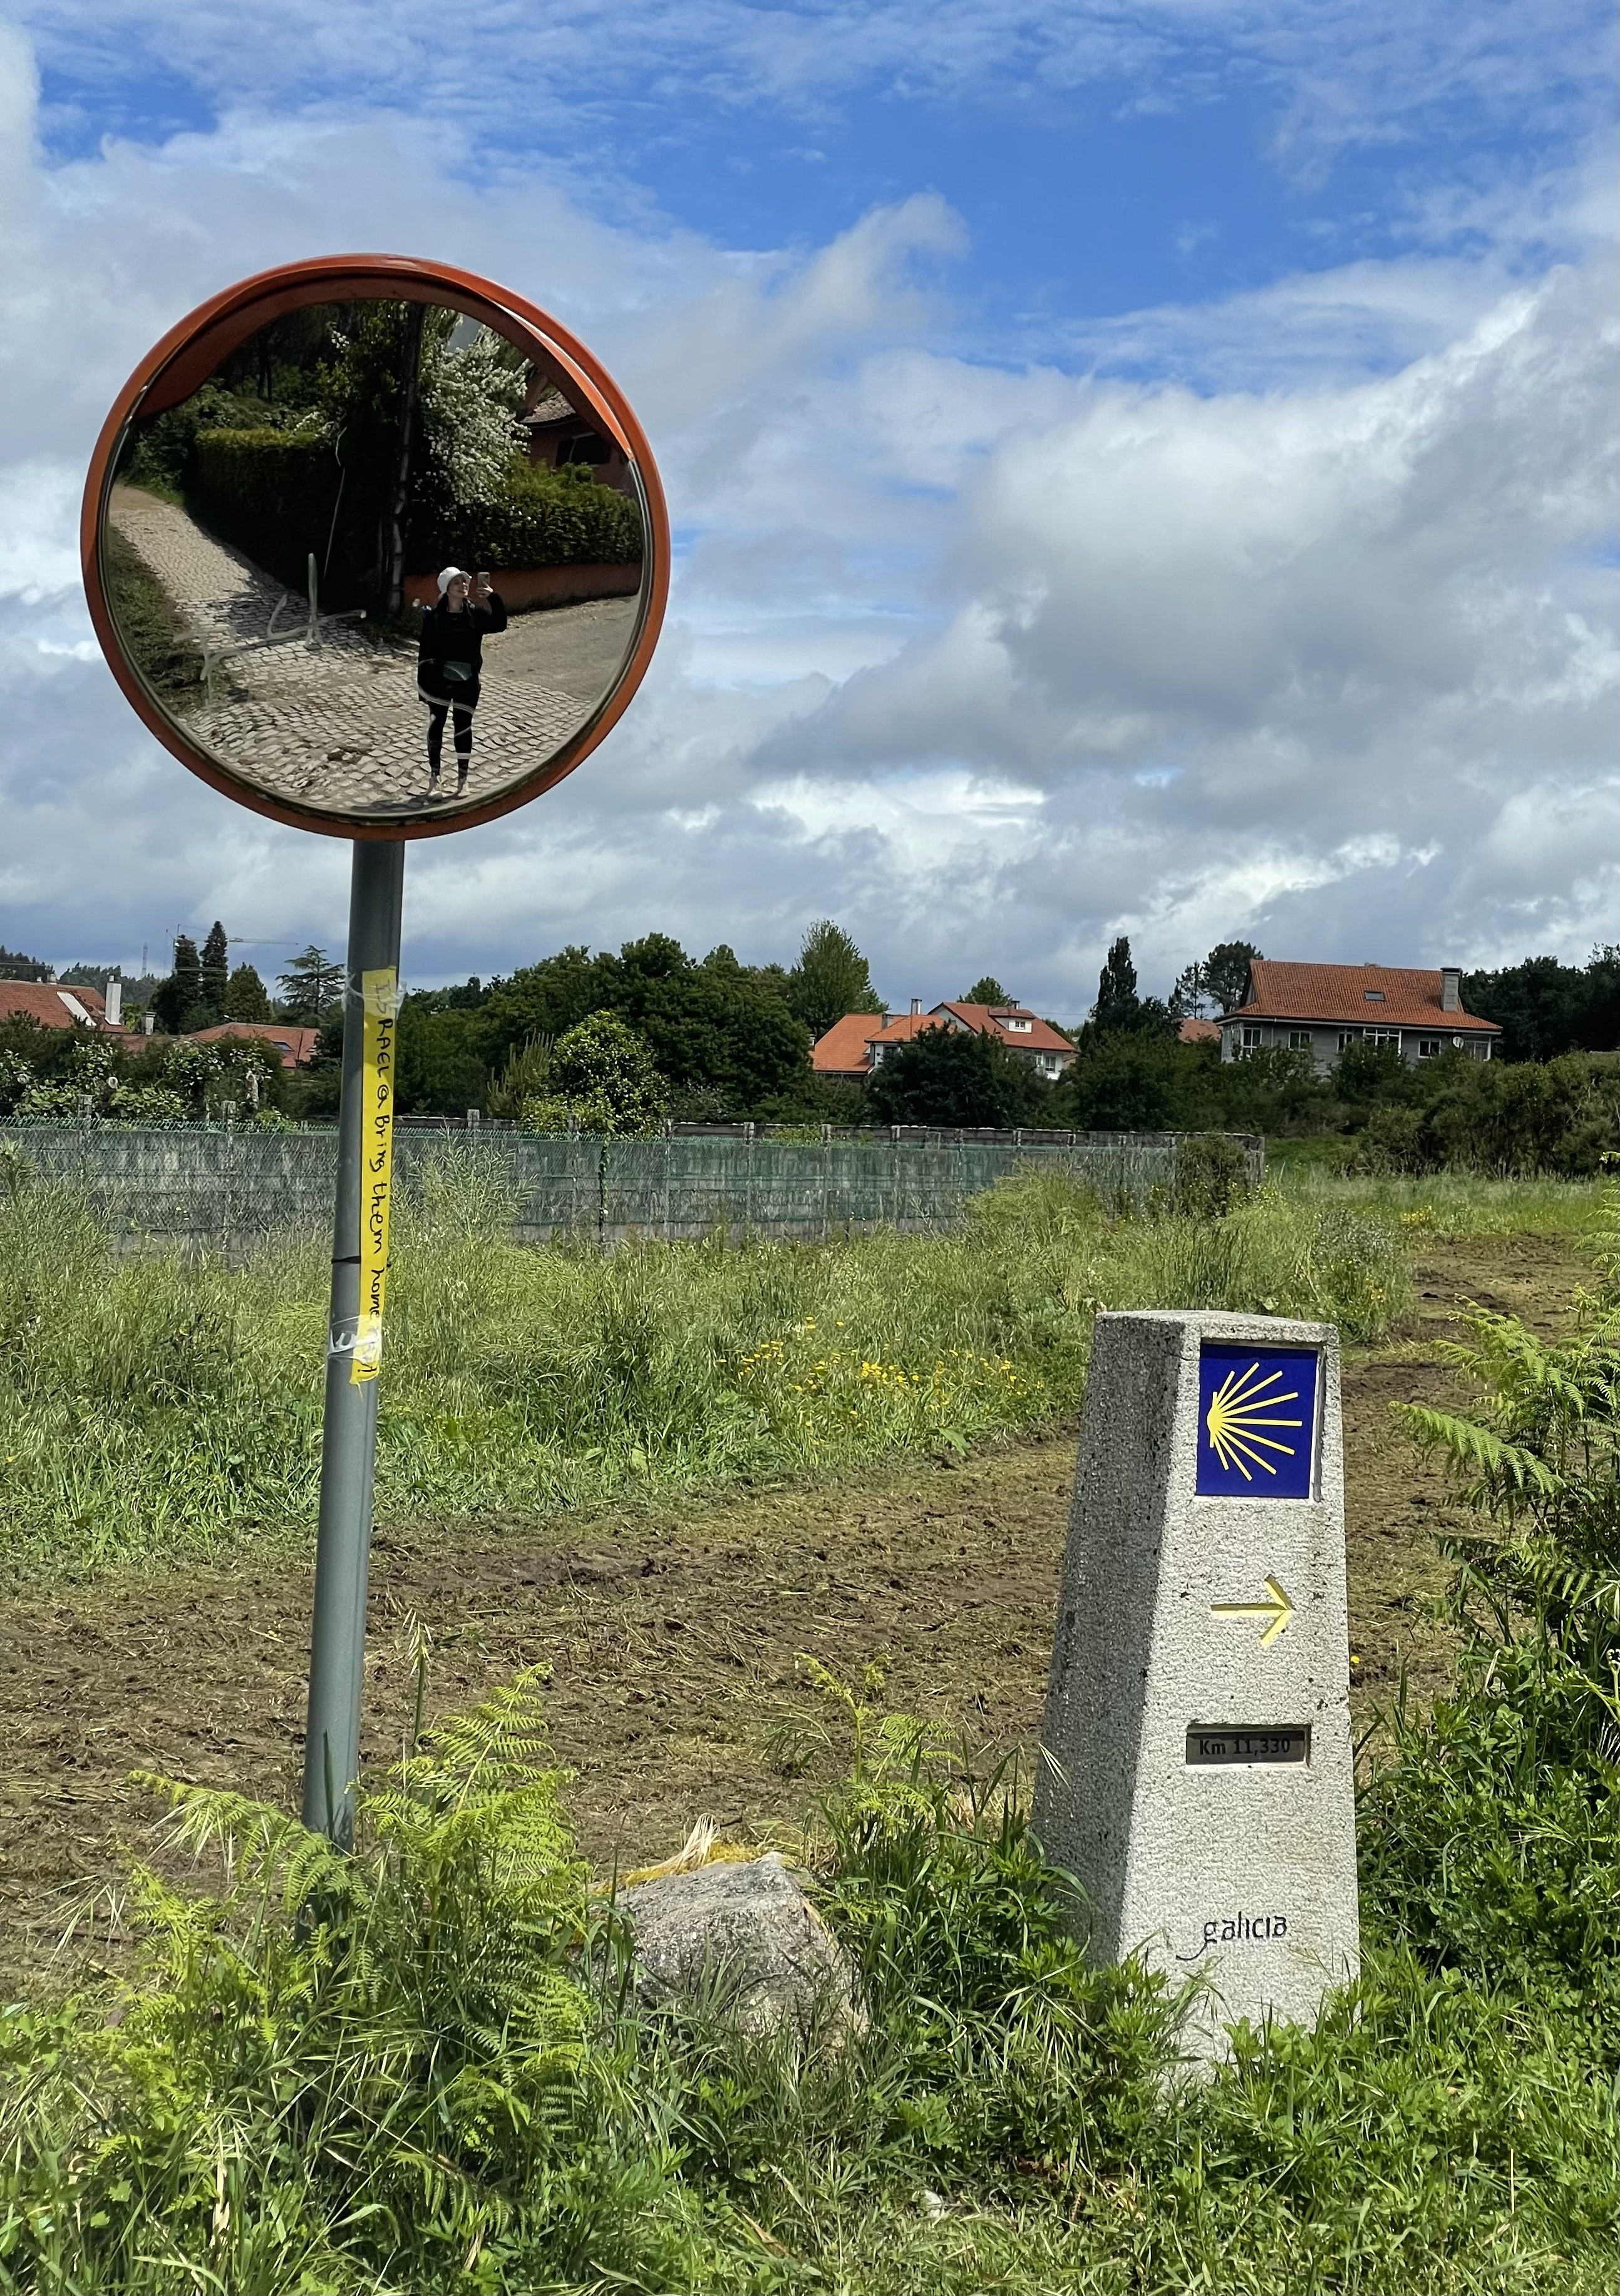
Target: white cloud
(1342, 71)
(1313, 644)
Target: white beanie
(447, 575)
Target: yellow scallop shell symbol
(1240, 1409)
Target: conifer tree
(1117, 1005)
(213, 967)
(830, 979)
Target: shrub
(1212, 1176)
(1522, 1118)
(271, 493)
(1492, 1846)
(539, 518)
(601, 1080)
(950, 1076)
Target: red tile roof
(1198, 1032)
(296, 1045)
(1398, 996)
(45, 1001)
(903, 1026)
(990, 1021)
(844, 1050)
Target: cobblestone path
(335, 723)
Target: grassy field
(1440, 1203)
(168, 1405)
(868, 1464)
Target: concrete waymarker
(1197, 1720)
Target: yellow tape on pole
(380, 994)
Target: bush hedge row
(274, 494)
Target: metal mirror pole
(348, 1438)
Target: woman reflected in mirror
(450, 658)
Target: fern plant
(389, 2054)
(1491, 1844)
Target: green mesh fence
(235, 1182)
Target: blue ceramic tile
(1257, 1421)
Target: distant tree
(1273, 1090)
(602, 1079)
(1117, 1005)
(830, 979)
(1190, 998)
(988, 991)
(1226, 972)
(15, 966)
(1126, 1081)
(440, 1071)
(712, 1027)
(1544, 1008)
(214, 967)
(246, 997)
(310, 988)
(1364, 1074)
(456, 996)
(955, 1077)
(177, 1001)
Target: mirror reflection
(377, 564)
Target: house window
(1024, 1026)
(1299, 1040)
(1429, 1048)
(1384, 1036)
(1346, 1037)
(1250, 1040)
(1372, 996)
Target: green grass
(148, 625)
(165, 1406)
(422, 2068)
(1440, 1203)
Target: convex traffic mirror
(375, 546)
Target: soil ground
(673, 1630)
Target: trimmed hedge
(273, 494)
(540, 521)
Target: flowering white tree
(469, 398)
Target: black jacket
(457, 639)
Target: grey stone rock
(746, 1940)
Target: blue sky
(1142, 467)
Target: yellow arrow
(1276, 1612)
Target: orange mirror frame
(190, 353)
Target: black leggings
(436, 714)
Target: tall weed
(171, 1404)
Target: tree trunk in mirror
(391, 567)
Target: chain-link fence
(222, 1183)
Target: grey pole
(348, 1438)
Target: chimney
(114, 1001)
(1450, 989)
(149, 1021)
(917, 1006)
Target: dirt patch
(672, 1633)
